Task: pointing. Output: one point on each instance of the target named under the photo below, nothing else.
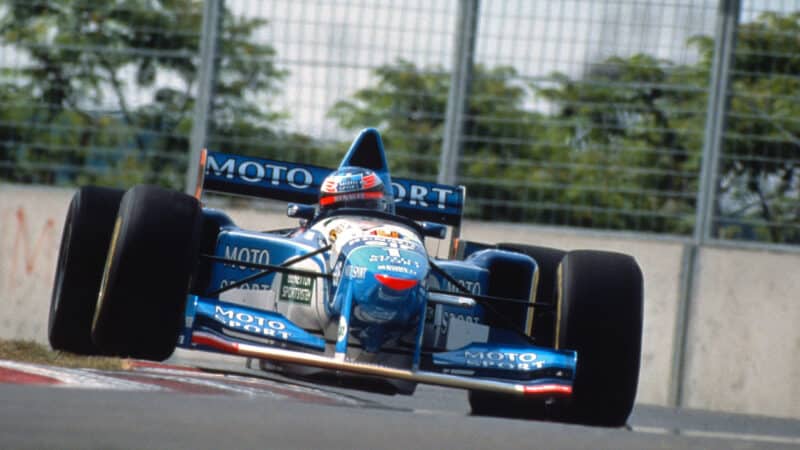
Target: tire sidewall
(148, 273)
(599, 314)
(82, 252)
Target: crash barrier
(741, 336)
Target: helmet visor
(366, 200)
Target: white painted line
(744, 436)
(771, 438)
(653, 430)
(77, 378)
(221, 385)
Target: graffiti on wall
(29, 249)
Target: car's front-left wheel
(84, 245)
(151, 258)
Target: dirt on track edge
(33, 352)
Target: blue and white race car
(351, 294)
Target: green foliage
(408, 106)
(620, 147)
(762, 141)
(106, 90)
(633, 127)
(641, 121)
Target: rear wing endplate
(300, 183)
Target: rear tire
(82, 254)
(151, 259)
(600, 316)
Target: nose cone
(385, 280)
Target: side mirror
(299, 211)
(434, 230)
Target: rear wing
(300, 183)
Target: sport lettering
(503, 360)
(251, 323)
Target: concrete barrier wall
(31, 220)
(744, 336)
(743, 340)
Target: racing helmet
(353, 187)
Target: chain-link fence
(583, 113)
(96, 92)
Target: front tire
(600, 315)
(84, 245)
(151, 259)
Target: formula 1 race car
(351, 293)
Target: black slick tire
(81, 257)
(600, 316)
(151, 259)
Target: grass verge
(32, 352)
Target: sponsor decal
(253, 324)
(386, 233)
(349, 182)
(338, 230)
(245, 254)
(420, 195)
(296, 288)
(337, 272)
(353, 272)
(430, 314)
(449, 315)
(372, 243)
(253, 171)
(310, 179)
(248, 286)
(473, 286)
(395, 260)
(356, 272)
(503, 360)
(397, 269)
(379, 241)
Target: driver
(353, 187)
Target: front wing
(218, 326)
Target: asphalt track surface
(168, 408)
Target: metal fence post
(466, 32)
(724, 44)
(205, 87)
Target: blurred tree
(638, 124)
(408, 105)
(619, 147)
(633, 129)
(104, 91)
(760, 167)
